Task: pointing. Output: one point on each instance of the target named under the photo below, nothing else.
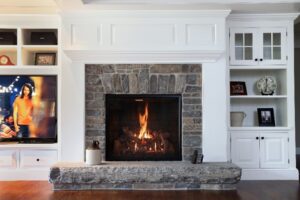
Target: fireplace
(143, 127)
(180, 82)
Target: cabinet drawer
(37, 158)
(8, 158)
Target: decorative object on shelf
(8, 38)
(266, 116)
(197, 158)
(238, 88)
(237, 118)
(43, 38)
(5, 60)
(45, 58)
(266, 85)
(93, 154)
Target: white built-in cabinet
(258, 46)
(260, 150)
(29, 161)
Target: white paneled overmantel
(190, 35)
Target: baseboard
(298, 150)
(28, 174)
(270, 174)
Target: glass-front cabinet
(257, 46)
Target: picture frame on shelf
(238, 88)
(45, 58)
(266, 117)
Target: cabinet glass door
(273, 46)
(242, 46)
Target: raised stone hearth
(145, 176)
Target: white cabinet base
(270, 174)
(28, 174)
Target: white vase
(237, 118)
(93, 156)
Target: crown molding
(148, 13)
(263, 17)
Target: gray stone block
(163, 81)
(153, 84)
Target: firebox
(143, 127)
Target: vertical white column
(72, 111)
(214, 111)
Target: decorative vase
(93, 154)
(237, 118)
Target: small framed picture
(266, 116)
(45, 58)
(238, 88)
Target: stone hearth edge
(145, 176)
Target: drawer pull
(37, 159)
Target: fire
(143, 120)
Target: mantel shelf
(188, 56)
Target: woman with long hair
(23, 109)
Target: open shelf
(249, 107)
(252, 76)
(11, 52)
(29, 53)
(28, 38)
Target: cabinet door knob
(37, 159)
(262, 138)
(261, 59)
(257, 138)
(255, 59)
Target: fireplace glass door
(143, 127)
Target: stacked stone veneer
(145, 79)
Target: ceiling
(237, 6)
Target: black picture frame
(238, 88)
(45, 58)
(266, 116)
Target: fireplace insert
(143, 127)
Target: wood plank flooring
(247, 190)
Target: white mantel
(176, 37)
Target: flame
(143, 120)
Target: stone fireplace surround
(184, 79)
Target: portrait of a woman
(22, 111)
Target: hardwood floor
(247, 190)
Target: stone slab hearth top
(145, 175)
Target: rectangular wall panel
(200, 34)
(145, 35)
(85, 35)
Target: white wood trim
(263, 17)
(152, 14)
(24, 174)
(270, 174)
(144, 56)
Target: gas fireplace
(143, 127)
